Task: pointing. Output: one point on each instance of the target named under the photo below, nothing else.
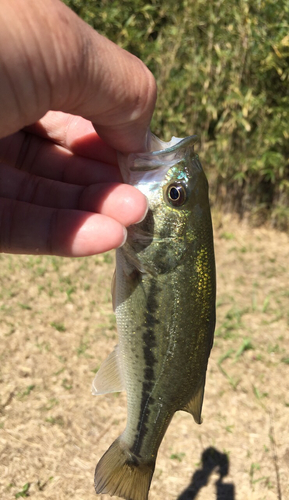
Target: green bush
(222, 70)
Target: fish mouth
(169, 147)
(169, 153)
(160, 154)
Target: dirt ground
(57, 325)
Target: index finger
(74, 133)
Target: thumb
(51, 60)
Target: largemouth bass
(164, 298)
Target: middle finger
(42, 157)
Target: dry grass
(57, 326)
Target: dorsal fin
(194, 406)
(109, 377)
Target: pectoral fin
(109, 377)
(194, 406)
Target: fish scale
(164, 295)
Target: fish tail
(121, 473)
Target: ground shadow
(212, 461)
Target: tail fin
(121, 473)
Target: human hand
(60, 190)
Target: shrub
(222, 70)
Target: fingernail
(145, 214)
(124, 237)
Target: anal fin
(109, 377)
(194, 406)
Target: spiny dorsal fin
(194, 406)
(109, 377)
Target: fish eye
(176, 194)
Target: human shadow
(212, 461)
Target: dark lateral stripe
(149, 342)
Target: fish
(164, 294)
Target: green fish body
(164, 298)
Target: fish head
(176, 187)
